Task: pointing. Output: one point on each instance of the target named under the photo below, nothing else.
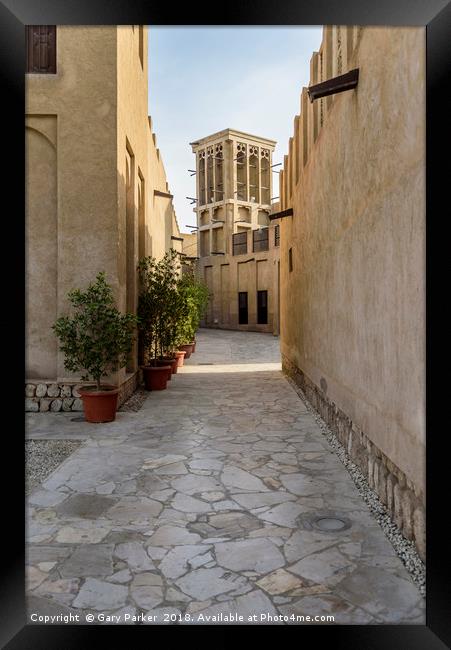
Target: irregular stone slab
(326, 567)
(35, 554)
(88, 560)
(134, 509)
(286, 459)
(46, 566)
(382, 593)
(82, 535)
(175, 468)
(34, 577)
(284, 515)
(46, 498)
(121, 577)
(147, 578)
(254, 607)
(106, 488)
(200, 560)
(163, 495)
(305, 542)
(175, 563)
(249, 555)
(271, 531)
(226, 505)
(135, 555)
(207, 463)
(303, 484)
(168, 535)
(205, 583)
(86, 506)
(192, 484)
(212, 496)
(55, 587)
(186, 503)
(100, 595)
(176, 596)
(156, 553)
(169, 459)
(279, 582)
(257, 499)
(236, 477)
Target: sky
(206, 79)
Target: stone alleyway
(220, 496)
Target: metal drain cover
(330, 523)
(326, 521)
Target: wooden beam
(165, 194)
(177, 238)
(343, 82)
(280, 215)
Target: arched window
(241, 171)
(254, 185)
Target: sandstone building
(353, 258)
(238, 248)
(97, 197)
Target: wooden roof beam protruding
(339, 84)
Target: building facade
(97, 197)
(353, 258)
(238, 249)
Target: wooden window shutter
(41, 49)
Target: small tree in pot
(158, 310)
(97, 338)
(195, 297)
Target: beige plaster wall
(81, 98)
(353, 308)
(81, 124)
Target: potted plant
(96, 339)
(195, 297)
(158, 312)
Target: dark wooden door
(242, 308)
(262, 307)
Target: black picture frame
(435, 16)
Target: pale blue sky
(205, 79)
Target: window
(290, 259)
(241, 171)
(277, 236)
(242, 308)
(202, 178)
(240, 243)
(41, 49)
(262, 307)
(260, 239)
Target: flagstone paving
(204, 504)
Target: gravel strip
(404, 548)
(44, 456)
(135, 401)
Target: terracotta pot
(155, 377)
(99, 406)
(188, 348)
(172, 360)
(180, 356)
(194, 347)
(167, 362)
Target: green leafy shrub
(159, 305)
(97, 338)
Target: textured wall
(353, 309)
